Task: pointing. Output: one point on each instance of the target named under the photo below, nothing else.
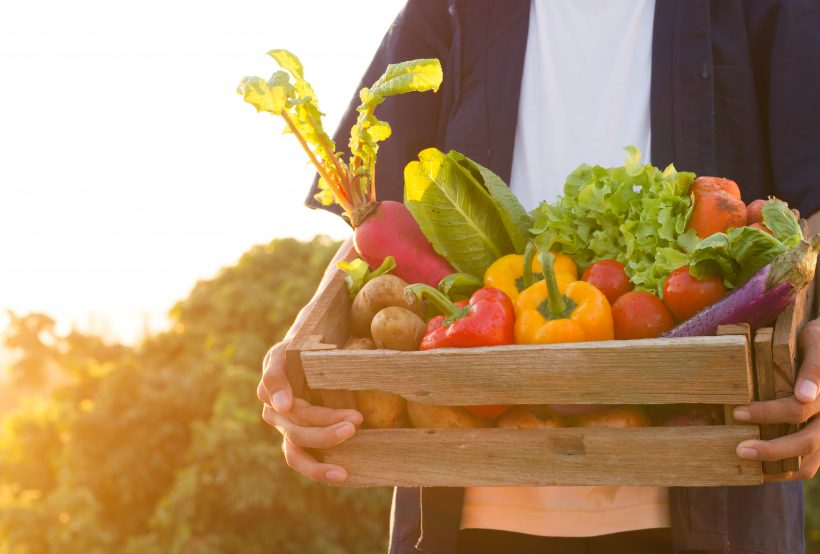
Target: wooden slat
(785, 354)
(764, 368)
(327, 323)
(711, 370)
(652, 456)
(742, 330)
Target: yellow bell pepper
(507, 273)
(559, 310)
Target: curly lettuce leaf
(457, 216)
(782, 222)
(635, 214)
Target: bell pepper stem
(529, 255)
(437, 299)
(555, 300)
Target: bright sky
(129, 166)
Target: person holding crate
(533, 88)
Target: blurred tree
(33, 336)
(162, 449)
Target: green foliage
(162, 449)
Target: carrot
(717, 206)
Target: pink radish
(390, 230)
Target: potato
(396, 328)
(617, 418)
(426, 416)
(381, 410)
(528, 417)
(377, 294)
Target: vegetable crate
(729, 369)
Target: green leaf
(635, 214)
(460, 286)
(358, 273)
(410, 76)
(779, 218)
(736, 256)
(288, 61)
(258, 93)
(516, 220)
(455, 214)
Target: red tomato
(610, 278)
(490, 411)
(640, 315)
(685, 296)
(754, 211)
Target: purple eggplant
(760, 299)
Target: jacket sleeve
(421, 30)
(786, 53)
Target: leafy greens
(635, 214)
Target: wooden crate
(730, 369)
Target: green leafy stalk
(415, 75)
(288, 95)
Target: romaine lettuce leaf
(457, 216)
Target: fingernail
(279, 400)
(344, 430)
(742, 414)
(807, 390)
(748, 453)
(335, 475)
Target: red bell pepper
(488, 319)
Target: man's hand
(801, 407)
(301, 424)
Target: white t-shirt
(584, 96)
(584, 91)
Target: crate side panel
(651, 456)
(711, 370)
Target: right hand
(302, 425)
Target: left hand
(799, 408)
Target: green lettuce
(743, 251)
(635, 214)
(458, 215)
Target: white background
(129, 166)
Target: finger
(808, 467)
(304, 463)
(802, 443)
(308, 415)
(274, 388)
(783, 410)
(309, 437)
(808, 376)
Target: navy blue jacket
(735, 92)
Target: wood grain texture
(745, 331)
(764, 370)
(786, 355)
(712, 370)
(652, 456)
(325, 326)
